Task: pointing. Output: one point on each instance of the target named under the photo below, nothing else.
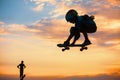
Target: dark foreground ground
(114, 76)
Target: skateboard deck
(64, 47)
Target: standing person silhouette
(21, 66)
(83, 24)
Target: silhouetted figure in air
(21, 66)
(83, 24)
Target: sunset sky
(31, 29)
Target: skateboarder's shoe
(86, 42)
(72, 43)
(66, 43)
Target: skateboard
(22, 77)
(64, 47)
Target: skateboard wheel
(81, 49)
(63, 49)
(68, 48)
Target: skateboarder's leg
(87, 41)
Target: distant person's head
(22, 62)
(71, 16)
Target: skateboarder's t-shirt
(79, 22)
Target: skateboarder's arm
(72, 32)
(69, 38)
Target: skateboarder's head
(71, 16)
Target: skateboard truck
(66, 48)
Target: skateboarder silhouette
(83, 24)
(21, 66)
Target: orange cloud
(39, 7)
(3, 29)
(1, 23)
(41, 4)
(17, 29)
(63, 7)
(114, 70)
(110, 13)
(52, 28)
(114, 2)
(21, 28)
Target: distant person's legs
(21, 73)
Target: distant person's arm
(24, 66)
(18, 66)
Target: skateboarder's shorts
(88, 26)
